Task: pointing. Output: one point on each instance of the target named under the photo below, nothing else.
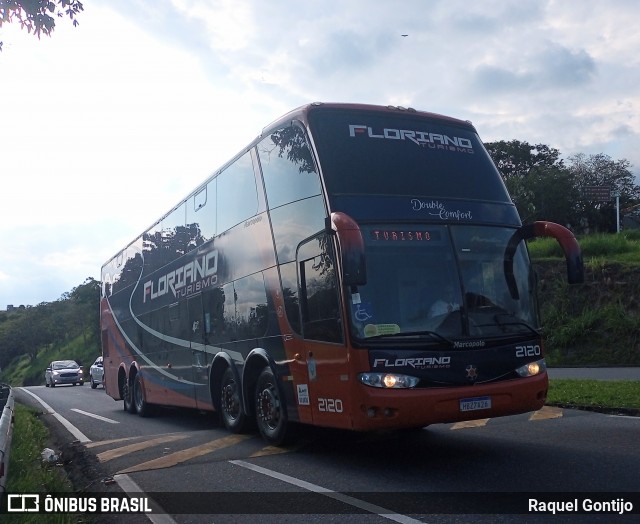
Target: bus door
(200, 360)
(325, 353)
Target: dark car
(96, 373)
(63, 372)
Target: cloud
(490, 19)
(349, 52)
(553, 67)
(561, 67)
(494, 79)
(107, 125)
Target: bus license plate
(475, 404)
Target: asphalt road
(336, 476)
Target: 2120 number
(330, 405)
(528, 351)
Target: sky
(104, 127)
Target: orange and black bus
(355, 267)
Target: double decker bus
(355, 266)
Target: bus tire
(231, 411)
(141, 405)
(271, 412)
(127, 397)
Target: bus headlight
(532, 368)
(388, 380)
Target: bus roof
(302, 112)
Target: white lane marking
(371, 508)
(128, 485)
(79, 435)
(93, 415)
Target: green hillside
(33, 336)
(25, 372)
(598, 322)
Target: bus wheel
(271, 413)
(231, 410)
(127, 396)
(141, 406)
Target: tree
(552, 195)
(35, 329)
(543, 188)
(540, 185)
(85, 300)
(601, 170)
(37, 16)
(25, 331)
(517, 159)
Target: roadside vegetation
(33, 336)
(597, 250)
(24, 371)
(28, 473)
(596, 323)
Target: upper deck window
(288, 167)
(371, 153)
(237, 198)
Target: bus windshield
(441, 282)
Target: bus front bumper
(377, 408)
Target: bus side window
(174, 237)
(289, 278)
(152, 251)
(237, 197)
(251, 307)
(287, 166)
(318, 290)
(201, 216)
(219, 311)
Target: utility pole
(616, 194)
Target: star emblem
(472, 372)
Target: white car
(63, 372)
(96, 373)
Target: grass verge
(596, 395)
(624, 246)
(27, 473)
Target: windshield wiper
(516, 322)
(422, 333)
